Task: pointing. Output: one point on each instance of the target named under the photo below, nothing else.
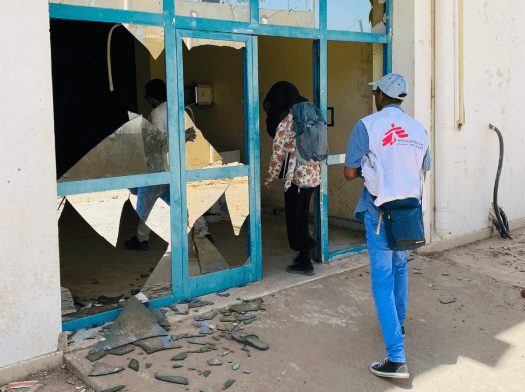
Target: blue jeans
(389, 277)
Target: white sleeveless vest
(393, 168)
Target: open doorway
(349, 71)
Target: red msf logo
(390, 136)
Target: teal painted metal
(216, 173)
(109, 184)
(193, 286)
(246, 138)
(354, 36)
(317, 195)
(108, 15)
(211, 283)
(234, 27)
(176, 144)
(388, 46)
(323, 103)
(101, 318)
(254, 12)
(357, 249)
(335, 159)
(89, 321)
(254, 159)
(182, 245)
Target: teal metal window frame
(178, 174)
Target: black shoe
(303, 269)
(390, 369)
(403, 331)
(135, 244)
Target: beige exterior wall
(494, 51)
(412, 58)
(494, 84)
(30, 302)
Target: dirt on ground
(59, 379)
(499, 258)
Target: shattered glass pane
(296, 13)
(154, 6)
(217, 212)
(93, 233)
(367, 16)
(217, 208)
(236, 10)
(106, 124)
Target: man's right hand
(351, 173)
(191, 135)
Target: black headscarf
(281, 97)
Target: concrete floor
(323, 335)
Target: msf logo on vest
(390, 136)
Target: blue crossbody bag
(403, 224)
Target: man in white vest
(389, 149)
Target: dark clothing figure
(297, 206)
(278, 103)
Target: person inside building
(390, 149)
(299, 181)
(155, 135)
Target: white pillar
(445, 105)
(30, 317)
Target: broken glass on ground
(159, 343)
(172, 379)
(121, 350)
(134, 323)
(134, 364)
(246, 306)
(101, 369)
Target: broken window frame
(177, 174)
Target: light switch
(204, 94)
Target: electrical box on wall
(204, 94)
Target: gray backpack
(310, 134)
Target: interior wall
(30, 316)
(350, 69)
(222, 123)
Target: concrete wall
(30, 301)
(494, 53)
(494, 85)
(412, 58)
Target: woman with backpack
(300, 180)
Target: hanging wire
(110, 74)
(501, 222)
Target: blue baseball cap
(393, 85)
